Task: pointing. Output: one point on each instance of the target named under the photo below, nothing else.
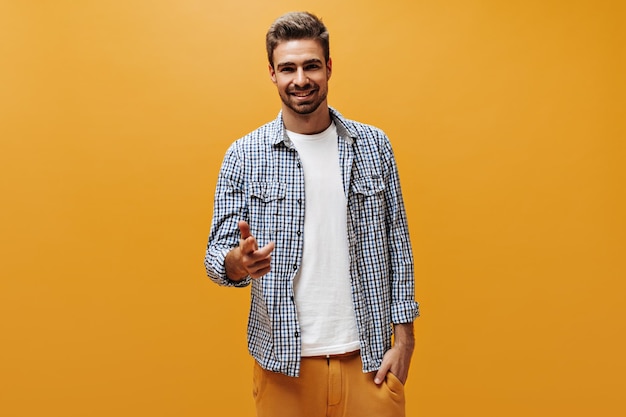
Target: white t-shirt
(323, 293)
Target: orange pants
(334, 387)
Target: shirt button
(299, 201)
(298, 233)
(298, 164)
(295, 266)
(297, 334)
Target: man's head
(300, 65)
(296, 26)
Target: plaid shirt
(261, 181)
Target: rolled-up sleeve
(229, 207)
(404, 308)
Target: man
(308, 209)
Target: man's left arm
(404, 309)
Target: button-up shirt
(262, 182)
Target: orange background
(507, 119)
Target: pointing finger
(265, 251)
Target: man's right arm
(232, 257)
(229, 207)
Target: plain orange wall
(507, 119)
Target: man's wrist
(404, 336)
(232, 265)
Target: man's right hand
(247, 258)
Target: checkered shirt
(262, 182)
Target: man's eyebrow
(308, 61)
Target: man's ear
(329, 68)
(272, 73)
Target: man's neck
(307, 124)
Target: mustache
(308, 86)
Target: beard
(306, 106)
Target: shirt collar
(343, 129)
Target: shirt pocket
(368, 186)
(266, 208)
(367, 204)
(267, 191)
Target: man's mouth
(303, 94)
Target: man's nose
(301, 78)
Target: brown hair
(293, 26)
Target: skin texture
(301, 76)
(398, 359)
(247, 258)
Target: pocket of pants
(257, 380)
(394, 384)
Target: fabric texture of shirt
(261, 181)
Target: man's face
(301, 74)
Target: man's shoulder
(265, 133)
(358, 130)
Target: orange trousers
(327, 387)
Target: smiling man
(308, 210)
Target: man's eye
(286, 69)
(312, 67)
